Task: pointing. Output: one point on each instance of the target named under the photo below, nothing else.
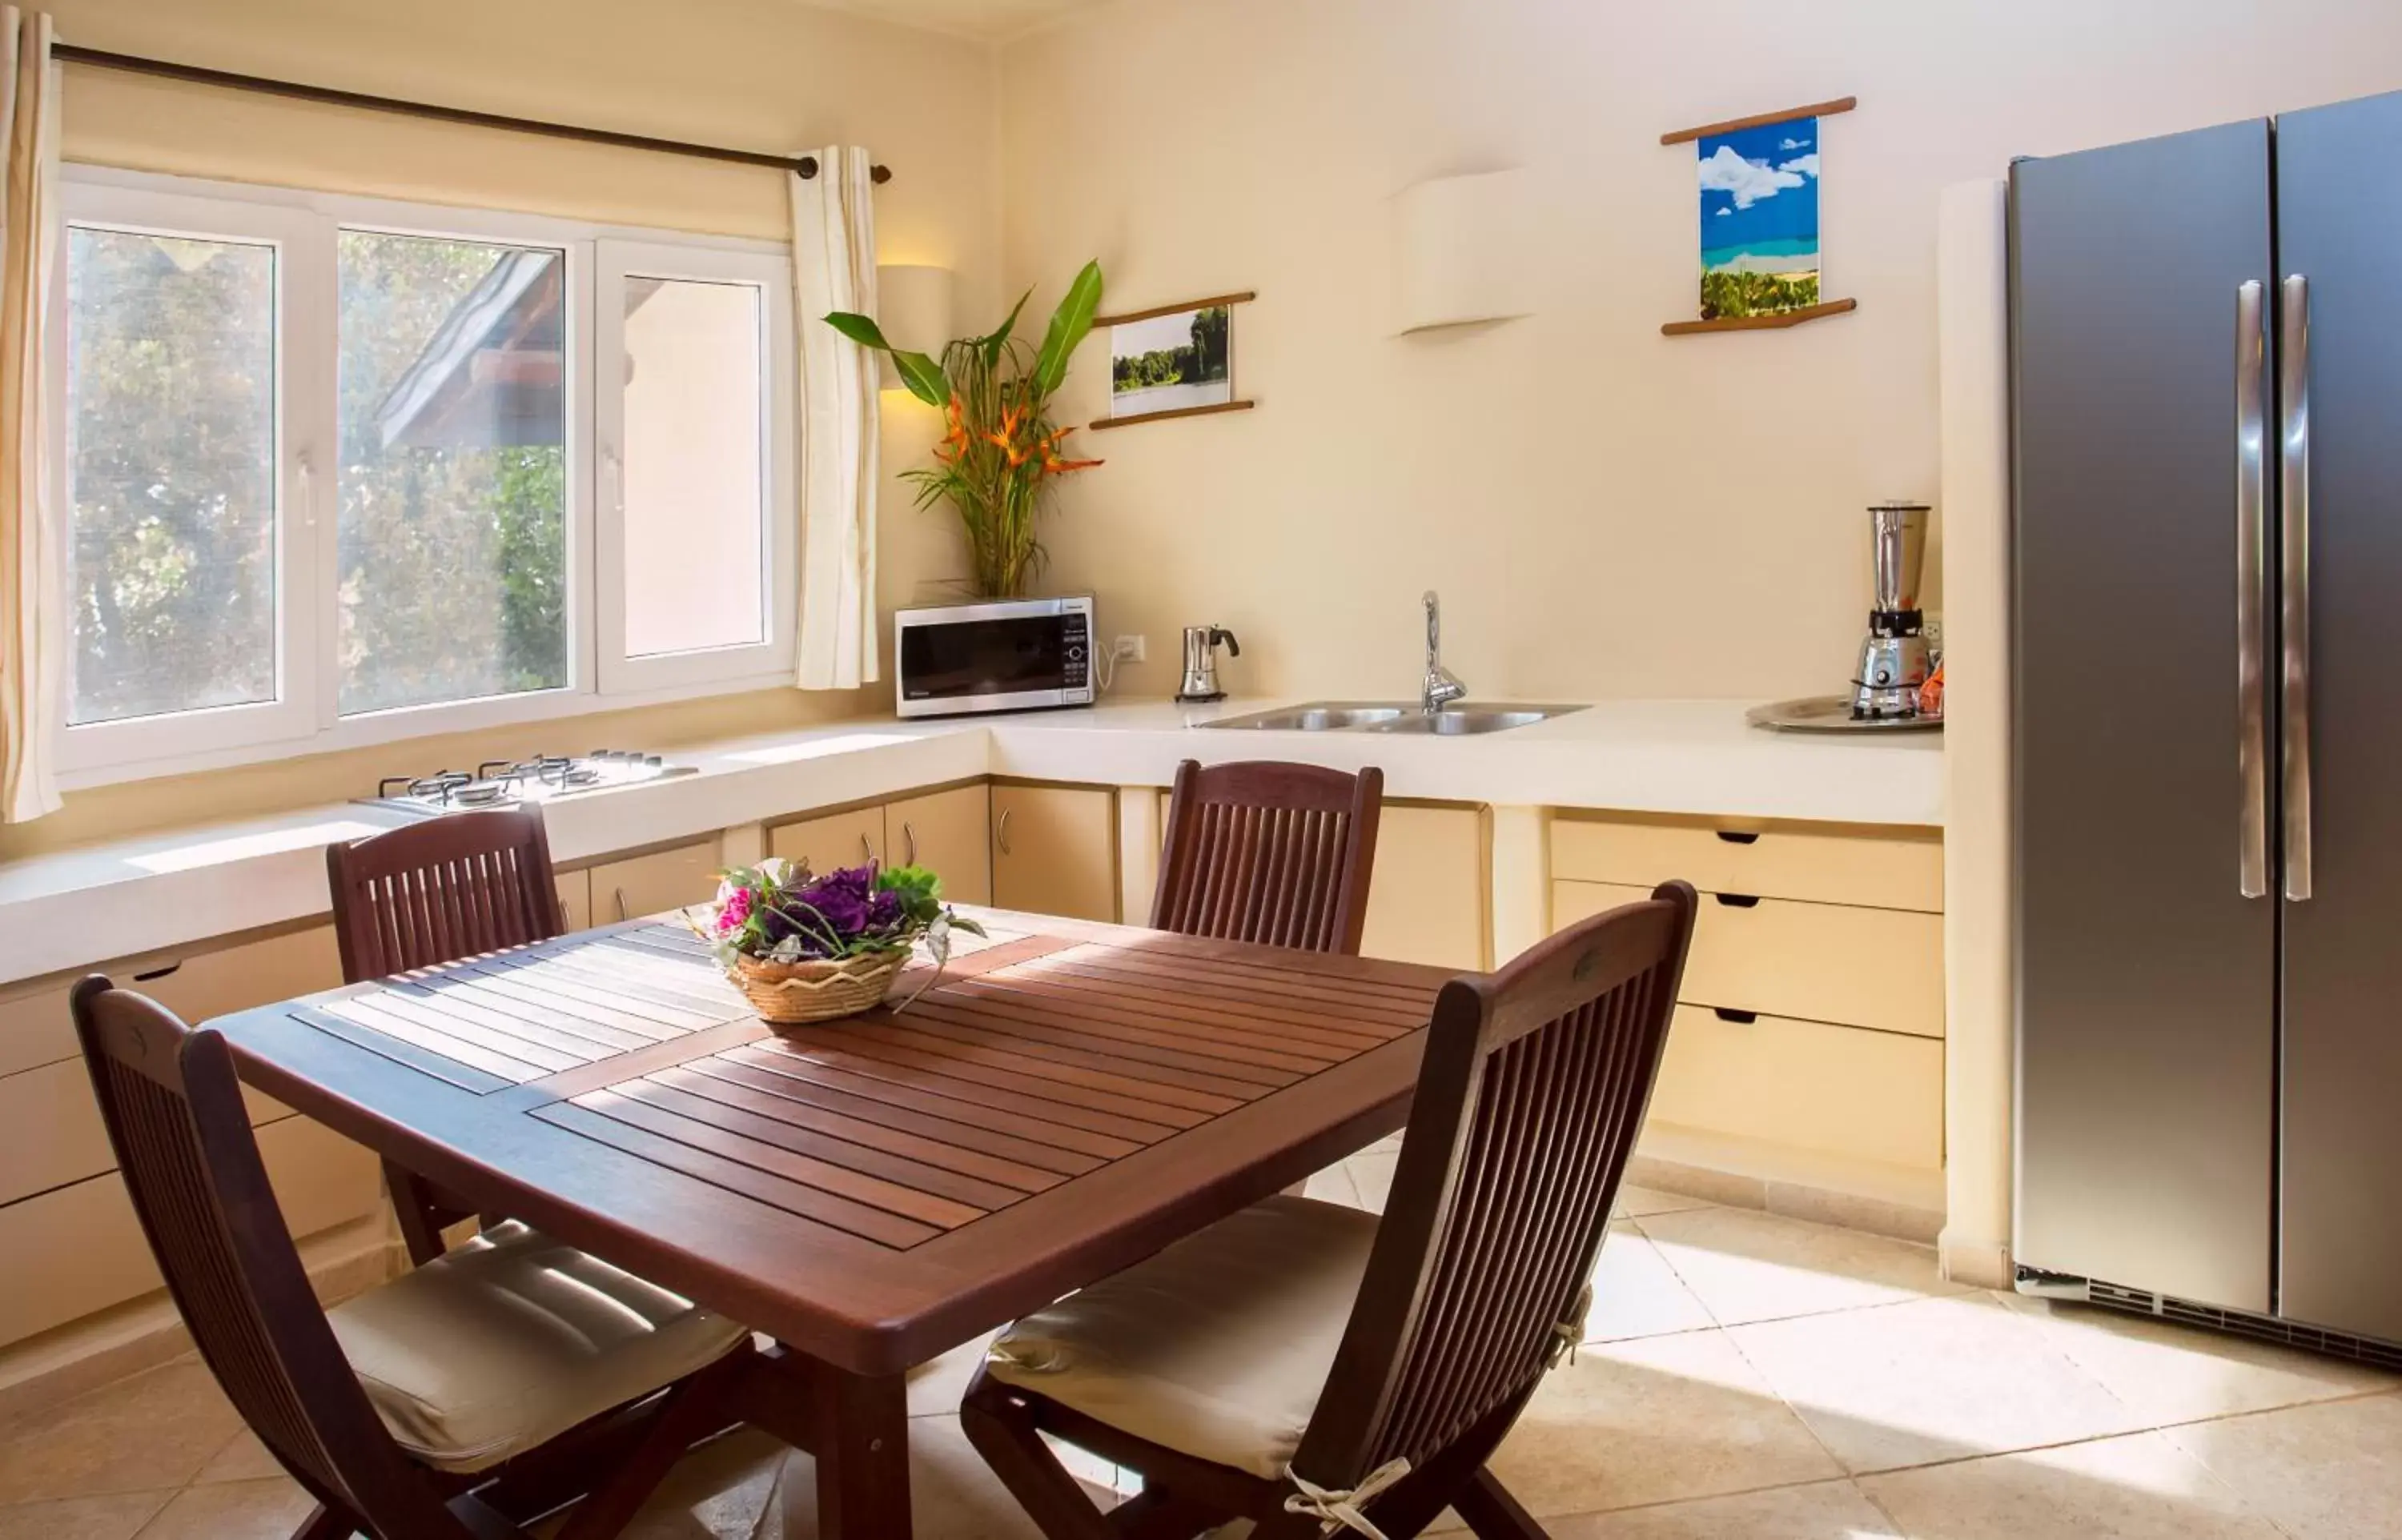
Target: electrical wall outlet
(1129, 649)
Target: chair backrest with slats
(1278, 854)
(447, 888)
(1533, 1089)
(175, 1114)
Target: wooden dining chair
(435, 892)
(1262, 851)
(471, 1395)
(1311, 1369)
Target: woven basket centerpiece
(816, 989)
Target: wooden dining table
(1058, 1104)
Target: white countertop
(67, 910)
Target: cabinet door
(1429, 900)
(950, 832)
(1055, 850)
(653, 883)
(833, 842)
(575, 900)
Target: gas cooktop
(513, 783)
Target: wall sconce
(1461, 246)
(913, 305)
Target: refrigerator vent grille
(2367, 1350)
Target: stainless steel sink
(1462, 720)
(1329, 716)
(1317, 717)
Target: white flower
(777, 869)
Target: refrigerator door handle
(2294, 606)
(2251, 591)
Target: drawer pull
(1738, 900)
(1741, 1018)
(1737, 836)
(157, 973)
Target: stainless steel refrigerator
(2206, 357)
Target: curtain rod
(805, 165)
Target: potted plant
(806, 948)
(1000, 459)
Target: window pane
(695, 558)
(454, 487)
(170, 462)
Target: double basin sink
(1455, 721)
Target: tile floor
(1745, 1377)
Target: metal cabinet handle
(1000, 833)
(868, 849)
(621, 905)
(2251, 596)
(2293, 602)
(908, 846)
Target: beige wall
(1606, 511)
(754, 74)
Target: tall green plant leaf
(993, 345)
(922, 374)
(1071, 323)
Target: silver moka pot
(1201, 661)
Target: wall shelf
(1760, 322)
(1176, 411)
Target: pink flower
(734, 911)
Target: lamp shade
(912, 306)
(1461, 247)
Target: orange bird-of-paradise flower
(1049, 449)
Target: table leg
(862, 1456)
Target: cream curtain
(30, 635)
(833, 269)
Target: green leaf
(861, 329)
(993, 345)
(922, 374)
(1071, 323)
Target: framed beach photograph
(1760, 219)
(1175, 361)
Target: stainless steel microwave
(1009, 654)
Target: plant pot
(816, 990)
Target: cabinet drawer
(34, 1027)
(1876, 1095)
(79, 1250)
(1821, 962)
(833, 842)
(50, 1131)
(949, 833)
(1886, 871)
(653, 883)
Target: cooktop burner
(508, 783)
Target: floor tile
(1749, 1266)
(2136, 1488)
(935, 1387)
(954, 1495)
(2326, 1472)
(1636, 1293)
(723, 1490)
(1333, 1186)
(1635, 1201)
(2171, 1373)
(1823, 1510)
(1931, 1379)
(117, 1516)
(1654, 1421)
(1372, 1174)
(242, 1459)
(270, 1509)
(152, 1431)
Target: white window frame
(305, 226)
(616, 261)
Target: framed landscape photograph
(1175, 361)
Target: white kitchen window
(338, 471)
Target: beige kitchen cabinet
(653, 883)
(948, 831)
(76, 1249)
(1055, 850)
(34, 1026)
(1824, 962)
(1430, 900)
(1824, 863)
(831, 841)
(1834, 1089)
(574, 898)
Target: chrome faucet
(1441, 686)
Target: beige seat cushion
(513, 1339)
(1218, 1347)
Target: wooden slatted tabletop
(1062, 1102)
